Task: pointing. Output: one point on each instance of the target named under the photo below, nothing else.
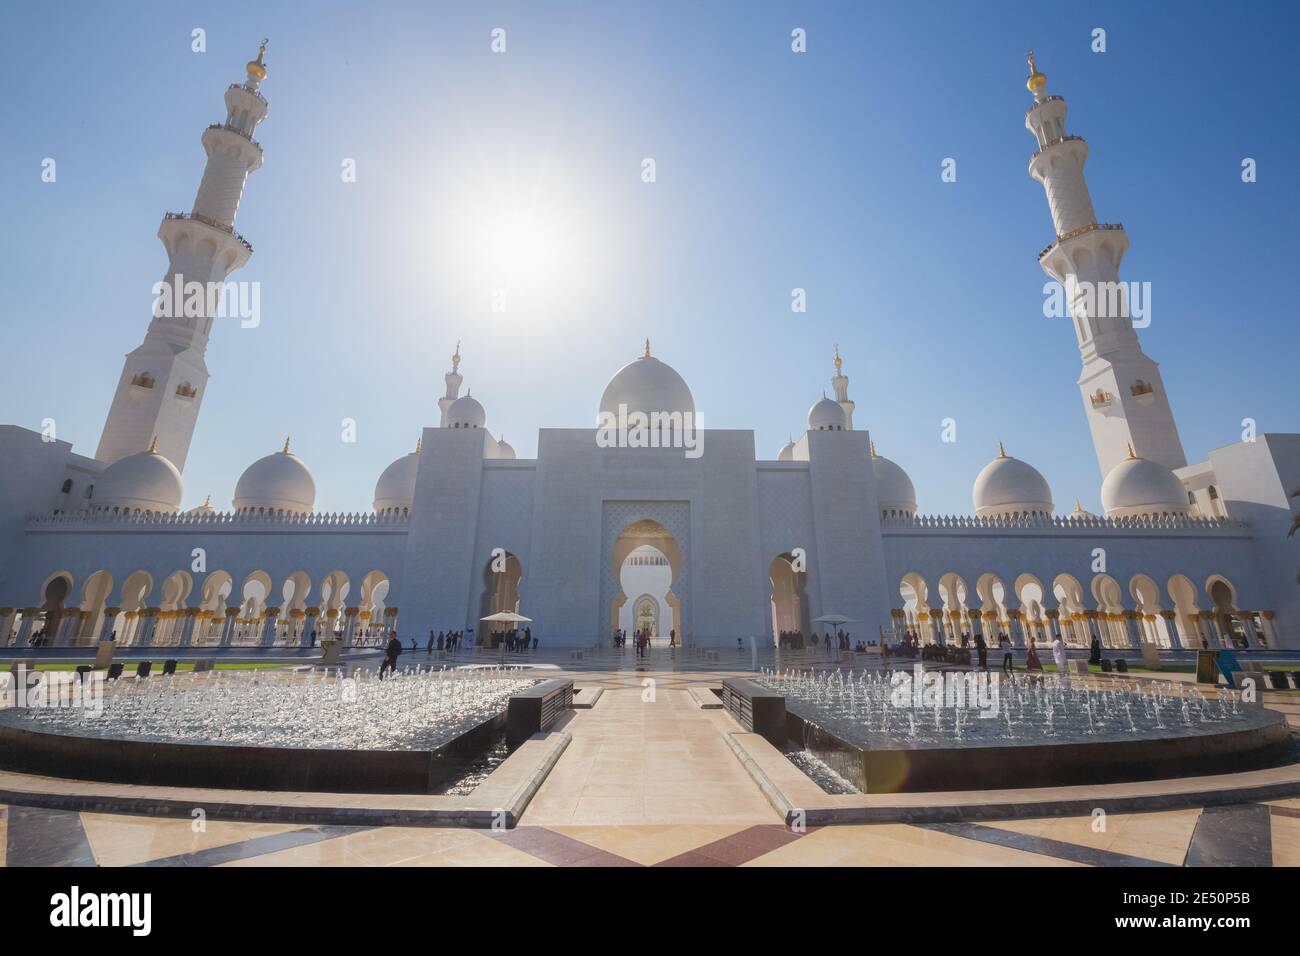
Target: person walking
(982, 647)
(1004, 643)
(393, 651)
(1059, 654)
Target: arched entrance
(645, 560)
(501, 577)
(789, 598)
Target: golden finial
(153, 446)
(647, 350)
(1037, 82)
(872, 443)
(257, 68)
(1078, 508)
(1002, 452)
(1131, 456)
(455, 359)
(207, 502)
(285, 449)
(838, 361)
(419, 443)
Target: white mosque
(595, 534)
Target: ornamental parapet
(1071, 523)
(232, 521)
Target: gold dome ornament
(647, 350)
(285, 450)
(838, 361)
(1037, 82)
(455, 358)
(257, 68)
(1002, 452)
(153, 446)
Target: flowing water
(414, 710)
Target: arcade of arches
(1028, 609)
(212, 609)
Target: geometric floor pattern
(1239, 835)
(648, 780)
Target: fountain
(303, 730)
(1018, 730)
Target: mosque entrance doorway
(790, 616)
(646, 562)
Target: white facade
(747, 546)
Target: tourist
(1095, 656)
(672, 637)
(982, 647)
(1004, 642)
(313, 639)
(1032, 663)
(390, 656)
(1058, 654)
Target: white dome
(1009, 486)
(894, 490)
(145, 481)
(466, 412)
(647, 386)
(827, 415)
(279, 482)
(786, 453)
(1079, 513)
(1139, 486)
(505, 449)
(395, 489)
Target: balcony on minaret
(186, 392)
(142, 381)
(1102, 400)
(1143, 392)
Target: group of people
(796, 641)
(516, 641)
(911, 646)
(448, 641)
(641, 639)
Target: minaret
(453, 379)
(164, 381)
(1123, 395)
(841, 385)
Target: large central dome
(648, 386)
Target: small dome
(279, 482)
(827, 416)
(1009, 486)
(395, 489)
(466, 412)
(894, 490)
(1079, 513)
(787, 452)
(1139, 486)
(145, 481)
(646, 385)
(505, 449)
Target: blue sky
(774, 171)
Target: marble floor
(649, 780)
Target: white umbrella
(507, 617)
(834, 619)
